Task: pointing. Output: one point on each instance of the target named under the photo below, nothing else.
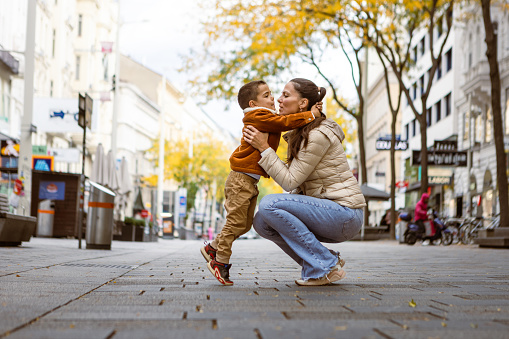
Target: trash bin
(45, 218)
(100, 217)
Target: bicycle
(470, 230)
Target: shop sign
(68, 155)
(43, 162)
(435, 180)
(441, 158)
(39, 149)
(382, 144)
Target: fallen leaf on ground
(412, 303)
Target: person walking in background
(325, 203)
(241, 192)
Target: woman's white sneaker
(336, 274)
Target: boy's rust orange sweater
(245, 158)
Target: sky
(157, 33)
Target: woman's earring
(300, 109)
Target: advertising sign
(57, 115)
(53, 190)
(43, 162)
(10, 148)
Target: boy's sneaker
(220, 271)
(341, 262)
(208, 252)
(336, 274)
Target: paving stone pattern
(51, 289)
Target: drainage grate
(102, 266)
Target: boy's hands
(317, 109)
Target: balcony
(477, 79)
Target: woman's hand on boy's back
(256, 138)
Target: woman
(325, 201)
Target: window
(440, 27)
(429, 76)
(80, 24)
(438, 110)
(54, 43)
(413, 128)
(448, 60)
(470, 51)
(422, 45)
(439, 69)
(448, 105)
(428, 117)
(415, 54)
(407, 131)
(78, 61)
(414, 90)
(105, 67)
(466, 126)
(421, 84)
(488, 133)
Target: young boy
(257, 102)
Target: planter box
(16, 228)
(139, 234)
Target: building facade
(476, 184)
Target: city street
(51, 289)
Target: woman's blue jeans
(298, 223)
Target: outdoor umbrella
(97, 166)
(111, 178)
(125, 187)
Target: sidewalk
(51, 289)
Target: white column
(114, 118)
(25, 151)
(160, 173)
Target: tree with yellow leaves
(267, 39)
(194, 167)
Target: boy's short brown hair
(249, 92)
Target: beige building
(378, 127)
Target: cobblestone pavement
(51, 289)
